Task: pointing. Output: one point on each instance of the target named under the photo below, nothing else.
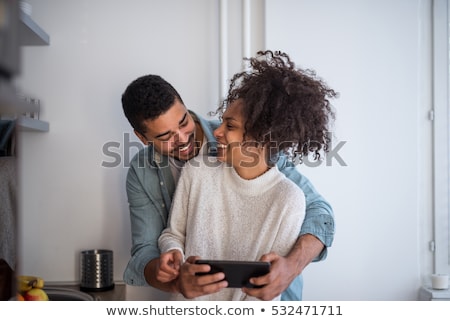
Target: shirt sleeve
(146, 226)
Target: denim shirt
(150, 187)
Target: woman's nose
(218, 132)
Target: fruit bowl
(33, 288)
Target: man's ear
(141, 138)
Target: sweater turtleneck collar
(254, 186)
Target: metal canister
(96, 269)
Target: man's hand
(191, 285)
(284, 270)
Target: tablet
(237, 273)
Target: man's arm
(305, 250)
(146, 218)
(285, 269)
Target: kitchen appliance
(96, 268)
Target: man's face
(172, 133)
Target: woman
(241, 207)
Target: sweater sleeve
(174, 235)
(293, 214)
(319, 217)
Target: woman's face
(230, 138)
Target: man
(173, 135)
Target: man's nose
(182, 136)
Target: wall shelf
(31, 34)
(12, 107)
(30, 124)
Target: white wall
(373, 52)
(376, 54)
(69, 201)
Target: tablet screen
(237, 273)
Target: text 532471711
(306, 310)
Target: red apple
(36, 294)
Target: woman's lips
(223, 146)
(221, 150)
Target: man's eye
(165, 138)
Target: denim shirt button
(161, 183)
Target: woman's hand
(169, 266)
(192, 285)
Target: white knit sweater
(218, 215)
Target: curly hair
(147, 97)
(285, 108)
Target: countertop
(426, 293)
(115, 294)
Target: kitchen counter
(116, 294)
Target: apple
(36, 294)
